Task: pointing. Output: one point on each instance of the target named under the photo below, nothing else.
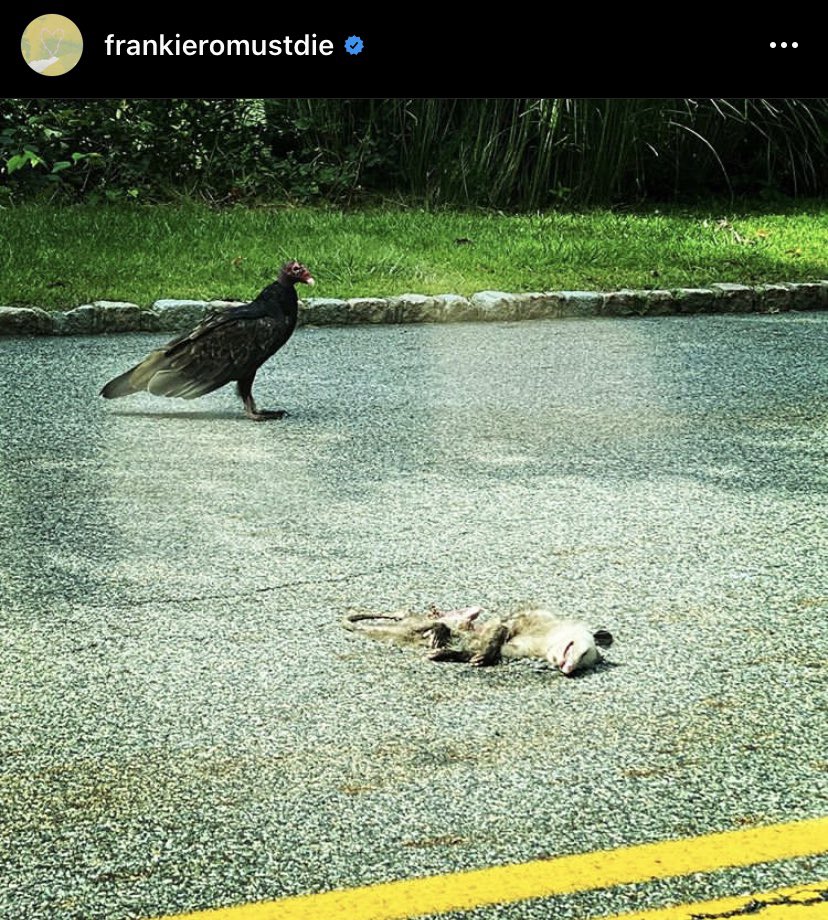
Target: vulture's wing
(212, 322)
(222, 348)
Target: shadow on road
(143, 413)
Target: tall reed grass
(530, 153)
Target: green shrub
(493, 153)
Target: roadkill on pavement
(459, 635)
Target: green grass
(58, 257)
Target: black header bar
(140, 53)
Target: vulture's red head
(293, 272)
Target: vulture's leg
(245, 387)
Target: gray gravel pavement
(183, 722)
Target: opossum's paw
(483, 660)
(438, 636)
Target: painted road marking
(804, 902)
(541, 878)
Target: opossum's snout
(568, 663)
(575, 656)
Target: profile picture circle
(51, 45)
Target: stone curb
(485, 306)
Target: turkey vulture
(224, 346)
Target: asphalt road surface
(184, 723)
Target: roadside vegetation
(141, 199)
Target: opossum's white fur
(567, 644)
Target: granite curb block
(485, 306)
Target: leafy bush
(515, 153)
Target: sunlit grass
(63, 256)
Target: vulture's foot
(263, 415)
(260, 415)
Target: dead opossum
(457, 636)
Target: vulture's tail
(135, 379)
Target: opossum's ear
(603, 638)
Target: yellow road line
(540, 878)
(803, 902)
